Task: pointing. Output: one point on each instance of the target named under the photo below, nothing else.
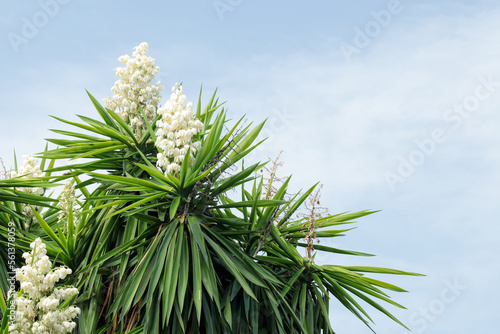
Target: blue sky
(392, 105)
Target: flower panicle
(133, 93)
(67, 203)
(175, 132)
(38, 301)
(29, 169)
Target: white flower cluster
(37, 302)
(29, 168)
(176, 129)
(132, 93)
(67, 203)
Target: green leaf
(227, 311)
(107, 130)
(173, 206)
(48, 230)
(123, 125)
(136, 204)
(150, 129)
(196, 278)
(249, 204)
(378, 270)
(335, 250)
(232, 267)
(101, 111)
(131, 181)
(3, 305)
(292, 281)
(184, 168)
(183, 271)
(170, 274)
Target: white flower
(37, 303)
(49, 303)
(29, 168)
(176, 128)
(67, 203)
(133, 92)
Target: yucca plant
(171, 231)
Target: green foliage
(156, 253)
